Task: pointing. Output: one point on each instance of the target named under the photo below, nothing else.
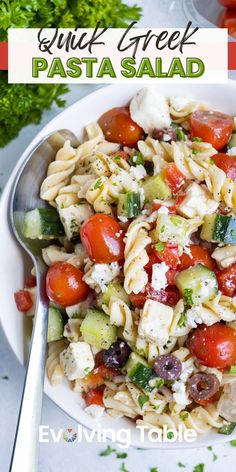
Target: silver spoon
(25, 197)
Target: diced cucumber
(129, 204)
(232, 141)
(197, 284)
(227, 428)
(97, 330)
(139, 372)
(156, 187)
(73, 217)
(42, 223)
(55, 325)
(114, 289)
(171, 229)
(219, 228)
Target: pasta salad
(142, 264)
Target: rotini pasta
(144, 298)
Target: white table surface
(85, 457)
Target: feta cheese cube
(198, 202)
(101, 274)
(96, 411)
(138, 172)
(155, 322)
(73, 217)
(159, 279)
(77, 360)
(150, 110)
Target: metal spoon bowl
(25, 197)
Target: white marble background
(85, 457)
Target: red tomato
(23, 300)
(123, 154)
(102, 237)
(152, 260)
(227, 280)
(214, 346)
(228, 3)
(30, 281)
(173, 177)
(169, 296)
(99, 374)
(227, 19)
(179, 200)
(212, 126)
(94, 397)
(156, 206)
(118, 127)
(64, 284)
(199, 255)
(169, 254)
(226, 163)
(170, 275)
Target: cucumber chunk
(129, 204)
(197, 284)
(42, 223)
(232, 141)
(97, 330)
(116, 290)
(171, 229)
(219, 229)
(139, 372)
(227, 428)
(156, 187)
(55, 325)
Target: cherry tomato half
(102, 237)
(93, 397)
(227, 19)
(226, 163)
(226, 279)
(173, 177)
(212, 126)
(169, 254)
(214, 346)
(168, 296)
(30, 281)
(228, 3)
(118, 127)
(64, 284)
(197, 255)
(23, 300)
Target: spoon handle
(26, 445)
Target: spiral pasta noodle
(54, 371)
(136, 257)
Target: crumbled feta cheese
(159, 279)
(166, 137)
(155, 321)
(232, 151)
(72, 329)
(96, 411)
(180, 395)
(193, 316)
(198, 202)
(77, 360)
(102, 274)
(123, 219)
(163, 210)
(80, 309)
(138, 172)
(150, 110)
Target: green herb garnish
(159, 383)
(180, 464)
(233, 442)
(98, 184)
(199, 468)
(137, 159)
(123, 468)
(121, 455)
(107, 451)
(182, 320)
(180, 134)
(142, 399)
(232, 369)
(198, 140)
(159, 246)
(188, 296)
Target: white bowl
(14, 261)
